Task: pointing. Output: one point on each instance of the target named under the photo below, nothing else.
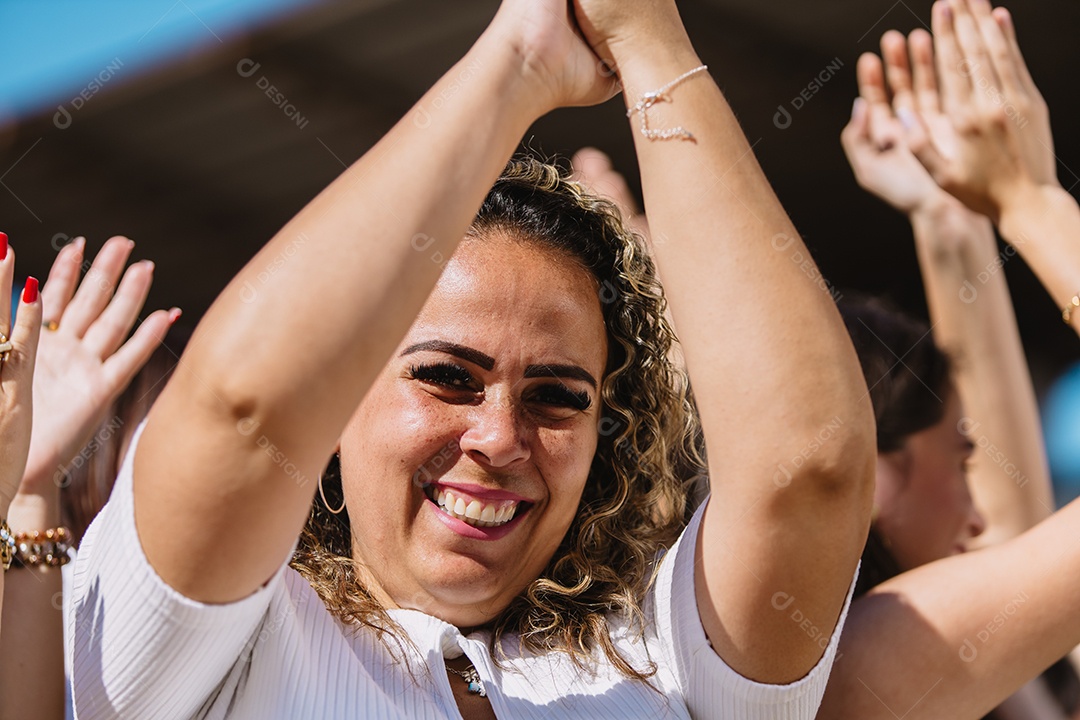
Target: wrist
(945, 217)
(518, 91)
(1028, 206)
(28, 512)
(949, 233)
(645, 64)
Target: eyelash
(445, 374)
(563, 396)
(455, 377)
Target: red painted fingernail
(3, 245)
(30, 291)
(174, 315)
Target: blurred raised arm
(970, 307)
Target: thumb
(24, 337)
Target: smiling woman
(504, 530)
(516, 433)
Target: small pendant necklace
(469, 675)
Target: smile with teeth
(474, 512)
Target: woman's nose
(496, 435)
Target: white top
(142, 650)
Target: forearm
(1043, 224)
(962, 633)
(734, 267)
(32, 643)
(773, 373)
(974, 321)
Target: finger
(997, 48)
(63, 279)
(976, 63)
(871, 79)
(24, 336)
(924, 76)
(855, 137)
(955, 85)
(1005, 22)
(96, 289)
(7, 272)
(122, 366)
(858, 128)
(110, 329)
(894, 53)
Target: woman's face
(464, 465)
(925, 511)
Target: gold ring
(5, 347)
(51, 325)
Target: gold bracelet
(7, 545)
(43, 547)
(1067, 311)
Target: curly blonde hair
(648, 460)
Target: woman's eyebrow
(574, 372)
(465, 353)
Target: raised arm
(970, 307)
(954, 638)
(995, 152)
(83, 364)
(17, 358)
(787, 421)
(287, 351)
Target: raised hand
(997, 143)
(16, 375)
(544, 35)
(874, 140)
(84, 362)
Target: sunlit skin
(467, 398)
(925, 509)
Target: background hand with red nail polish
(88, 359)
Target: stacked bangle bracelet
(43, 547)
(7, 545)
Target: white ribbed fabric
(141, 650)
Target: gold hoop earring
(322, 494)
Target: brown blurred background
(200, 166)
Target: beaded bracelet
(49, 547)
(1068, 310)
